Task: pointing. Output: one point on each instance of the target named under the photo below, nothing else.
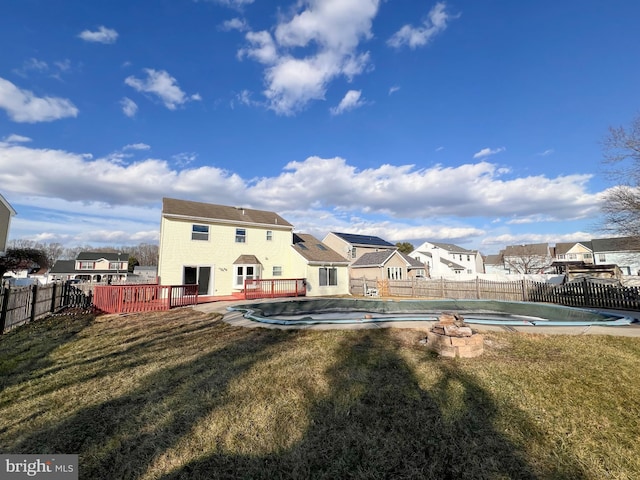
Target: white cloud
(24, 106)
(239, 24)
(102, 35)
(330, 33)
(485, 152)
(136, 146)
(419, 36)
(350, 101)
(129, 107)
(499, 241)
(546, 153)
(13, 138)
(164, 86)
(318, 193)
(393, 89)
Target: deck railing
(143, 298)
(274, 288)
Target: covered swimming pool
(490, 312)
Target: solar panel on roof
(364, 239)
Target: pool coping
(236, 318)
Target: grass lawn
(181, 394)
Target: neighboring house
(622, 251)
(325, 271)
(352, 246)
(494, 264)
(574, 252)
(530, 258)
(6, 212)
(218, 246)
(97, 267)
(387, 265)
(444, 259)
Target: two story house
(217, 247)
(445, 259)
(352, 246)
(621, 251)
(387, 265)
(98, 267)
(568, 252)
(6, 212)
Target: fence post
(5, 305)
(441, 287)
(586, 293)
(53, 299)
(524, 290)
(477, 288)
(34, 300)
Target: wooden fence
(584, 293)
(20, 305)
(274, 288)
(143, 298)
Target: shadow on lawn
(26, 349)
(379, 423)
(120, 438)
(376, 422)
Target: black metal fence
(587, 293)
(20, 305)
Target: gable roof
(112, 257)
(495, 259)
(64, 266)
(413, 262)
(618, 244)
(563, 247)
(451, 265)
(540, 249)
(373, 259)
(364, 240)
(313, 250)
(211, 212)
(450, 247)
(8, 205)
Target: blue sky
(475, 123)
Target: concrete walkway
(237, 319)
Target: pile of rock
(451, 337)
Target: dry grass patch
(183, 395)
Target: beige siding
(338, 245)
(5, 219)
(178, 250)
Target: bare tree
(621, 206)
(534, 258)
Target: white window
(328, 276)
(269, 235)
(571, 256)
(277, 271)
(587, 255)
(86, 266)
(241, 235)
(469, 270)
(245, 272)
(353, 252)
(602, 257)
(200, 232)
(561, 256)
(394, 273)
(116, 265)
